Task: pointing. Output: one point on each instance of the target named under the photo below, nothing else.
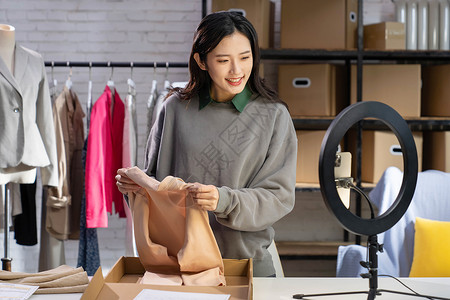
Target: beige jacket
(64, 201)
(27, 134)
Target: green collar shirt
(239, 101)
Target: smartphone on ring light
(341, 170)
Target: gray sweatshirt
(250, 156)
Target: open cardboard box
(120, 282)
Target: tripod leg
(373, 267)
(302, 296)
(372, 294)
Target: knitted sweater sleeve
(271, 193)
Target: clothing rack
(6, 260)
(111, 64)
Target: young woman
(232, 137)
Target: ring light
(337, 129)
(370, 227)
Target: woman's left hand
(205, 196)
(125, 184)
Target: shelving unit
(368, 55)
(415, 124)
(359, 57)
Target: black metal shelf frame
(359, 57)
(426, 124)
(368, 55)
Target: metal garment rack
(111, 64)
(6, 260)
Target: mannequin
(7, 45)
(28, 138)
(21, 173)
(7, 36)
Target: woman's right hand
(124, 183)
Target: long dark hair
(211, 30)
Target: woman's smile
(234, 81)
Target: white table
(284, 288)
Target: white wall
(120, 30)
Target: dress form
(7, 36)
(21, 173)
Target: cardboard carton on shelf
(436, 150)
(312, 89)
(324, 24)
(436, 91)
(398, 86)
(309, 144)
(385, 36)
(260, 13)
(380, 150)
(121, 281)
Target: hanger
(166, 81)
(110, 82)
(152, 98)
(131, 70)
(69, 79)
(131, 84)
(89, 96)
(55, 82)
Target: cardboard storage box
(319, 24)
(312, 89)
(436, 150)
(259, 12)
(380, 150)
(120, 283)
(309, 143)
(436, 91)
(395, 85)
(385, 36)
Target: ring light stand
(369, 227)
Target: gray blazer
(27, 132)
